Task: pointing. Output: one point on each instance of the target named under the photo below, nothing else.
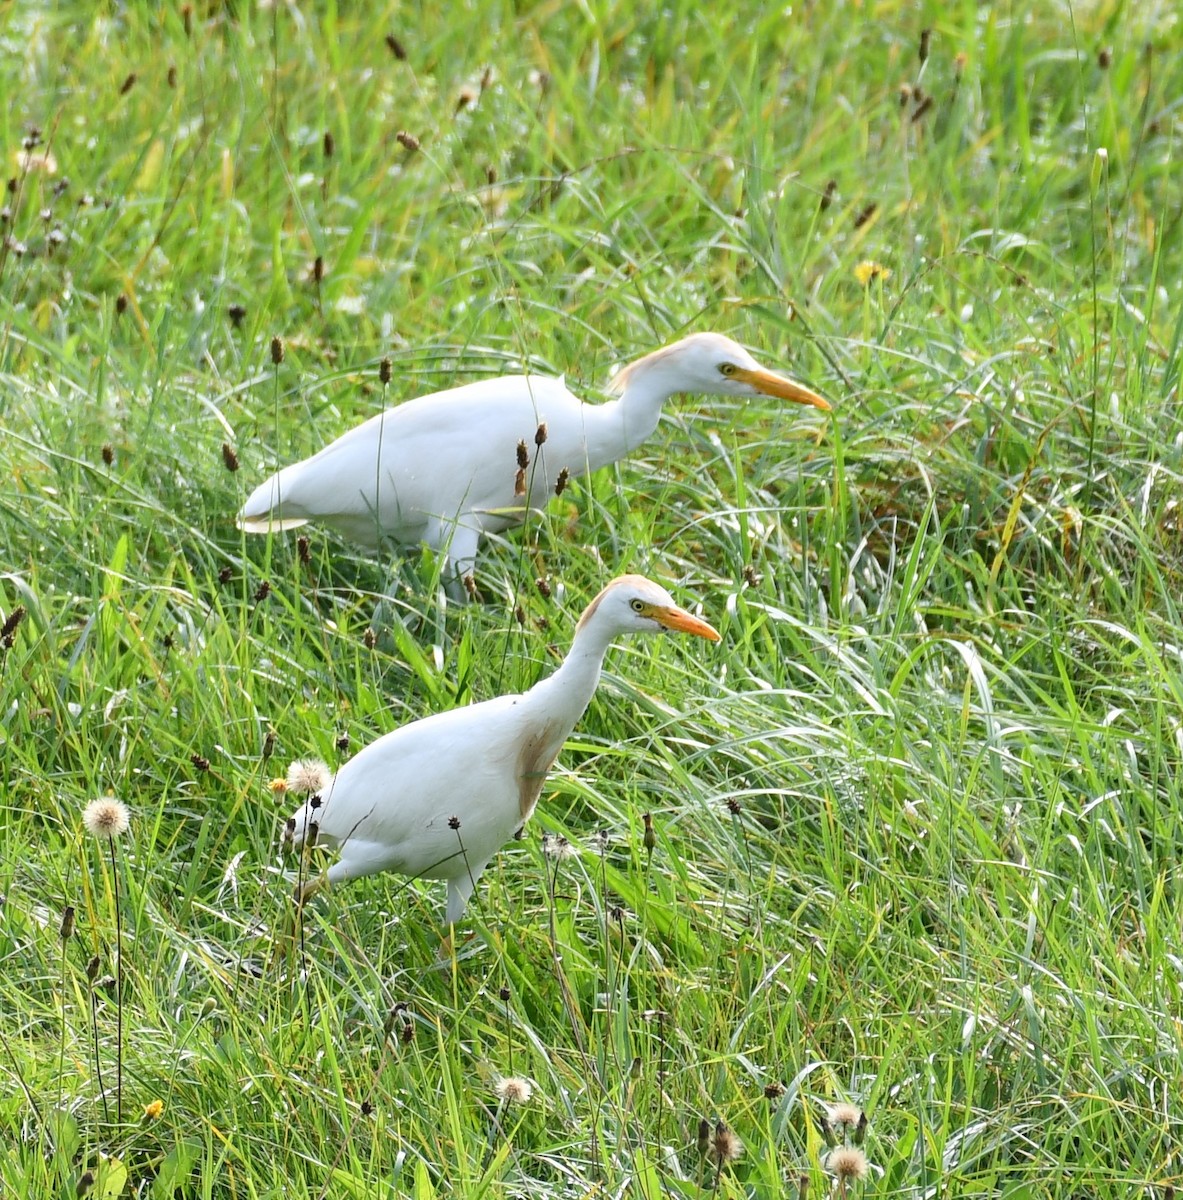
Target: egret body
(444, 469)
(437, 798)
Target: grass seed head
(229, 457)
(704, 1137)
(384, 371)
(303, 550)
(277, 350)
(540, 434)
(329, 144)
(236, 313)
(199, 761)
(66, 929)
(561, 482)
(12, 621)
(108, 453)
(128, 84)
(408, 141)
(925, 39)
(523, 455)
(106, 818)
(396, 47)
(649, 837)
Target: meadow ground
(918, 816)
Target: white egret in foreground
(438, 798)
(446, 468)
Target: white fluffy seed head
(106, 818)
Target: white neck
(620, 426)
(560, 699)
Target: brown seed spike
(187, 19)
(229, 457)
(225, 575)
(540, 434)
(649, 837)
(92, 969)
(523, 455)
(408, 141)
(828, 195)
(172, 77)
(277, 350)
(66, 929)
(121, 304)
(303, 550)
(369, 638)
(13, 620)
(704, 1137)
(128, 84)
(519, 482)
(396, 47)
(543, 586)
(329, 144)
(262, 591)
(865, 215)
(1104, 58)
(236, 313)
(384, 372)
(925, 39)
(561, 482)
(453, 823)
(199, 761)
(922, 110)
(318, 268)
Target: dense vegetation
(918, 817)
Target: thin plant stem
(118, 986)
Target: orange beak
(681, 621)
(780, 386)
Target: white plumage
(443, 469)
(437, 799)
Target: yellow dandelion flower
(153, 1110)
(867, 271)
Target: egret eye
(638, 606)
(727, 368)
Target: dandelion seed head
(308, 775)
(513, 1089)
(847, 1163)
(726, 1144)
(842, 1115)
(106, 818)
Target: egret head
(634, 604)
(713, 364)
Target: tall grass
(916, 821)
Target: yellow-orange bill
(782, 387)
(682, 622)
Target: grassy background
(918, 817)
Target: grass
(917, 820)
